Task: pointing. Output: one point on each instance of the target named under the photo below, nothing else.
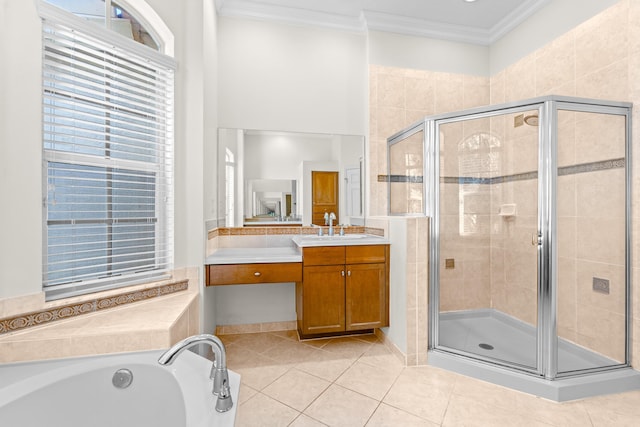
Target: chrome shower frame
(547, 280)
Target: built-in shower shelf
(507, 210)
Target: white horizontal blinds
(108, 136)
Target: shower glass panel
(529, 246)
(591, 251)
(406, 170)
(488, 244)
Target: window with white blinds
(108, 160)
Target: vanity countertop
(309, 240)
(254, 255)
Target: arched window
(113, 15)
(107, 150)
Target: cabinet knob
(349, 273)
(257, 274)
(342, 272)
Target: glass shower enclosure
(530, 231)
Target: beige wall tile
(23, 304)
(611, 82)
(566, 138)
(476, 91)
(591, 130)
(601, 240)
(555, 65)
(39, 349)
(449, 93)
(602, 40)
(420, 94)
(194, 318)
(412, 297)
(391, 120)
(601, 331)
(635, 342)
(586, 296)
(180, 329)
(567, 237)
(566, 196)
(391, 91)
(520, 79)
(601, 194)
(567, 298)
(497, 94)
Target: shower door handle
(536, 239)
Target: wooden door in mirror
(324, 190)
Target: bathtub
(78, 392)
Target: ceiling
(479, 22)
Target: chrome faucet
(319, 229)
(328, 219)
(218, 373)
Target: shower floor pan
(493, 334)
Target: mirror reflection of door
(324, 191)
(353, 191)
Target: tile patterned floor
(356, 381)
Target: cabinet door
(366, 296)
(323, 299)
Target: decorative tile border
(401, 178)
(280, 231)
(593, 167)
(42, 317)
(562, 171)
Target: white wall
(293, 78)
(20, 149)
(277, 156)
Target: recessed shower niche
(532, 200)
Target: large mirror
(289, 178)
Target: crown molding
(515, 18)
(379, 21)
(268, 12)
(422, 28)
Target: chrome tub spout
(218, 373)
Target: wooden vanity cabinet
(343, 289)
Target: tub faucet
(218, 373)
